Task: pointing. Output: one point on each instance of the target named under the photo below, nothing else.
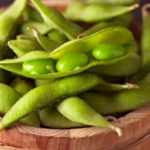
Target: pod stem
(132, 86)
(35, 31)
(144, 9)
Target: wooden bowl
(135, 127)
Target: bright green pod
(122, 101)
(30, 14)
(108, 51)
(21, 47)
(113, 2)
(25, 37)
(20, 86)
(39, 66)
(145, 46)
(56, 20)
(41, 27)
(125, 67)
(71, 62)
(123, 20)
(48, 44)
(79, 111)
(50, 117)
(8, 99)
(116, 35)
(92, 13)
(8, 21)
(57, 36)
(39, 82)
(42, 96)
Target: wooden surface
(135, 127)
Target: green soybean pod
(20, 86)
(122, 36)
(25, 37)
(41, 27)
(108, 51)
(39, 82)
(21, 47)
(123, 20)
(81, 11)
(8, 21)
(145, 47)
(126, 67)
(77, 110)
(121, 101)
(42, 96)
(8, 99)
(30, 14)
(56, 20)
(48, 44)
(57, 36)
(71, 62)
(113, 2)
(50, 117)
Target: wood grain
(135, 126)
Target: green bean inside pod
(116, 35)
(42, 96)
(91, 13)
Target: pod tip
(132, 86)
(136, 6)
(118, 130)
(36, 33)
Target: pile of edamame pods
(56, 74)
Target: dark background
(6, 2)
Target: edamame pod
(8, 99)
(51, 118)
(123, 20)
(41, 27)
(81, 11)
(145, 47)
(8, 20)
(77, 110)
(118, 35)
(113, 2)
(42, 96)
(21, 47)
(30, 14)
(39, 82)
(20, 86)
(47, 43)
(57, 36)
(125, 67)
(122, 101)
(56, 20)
